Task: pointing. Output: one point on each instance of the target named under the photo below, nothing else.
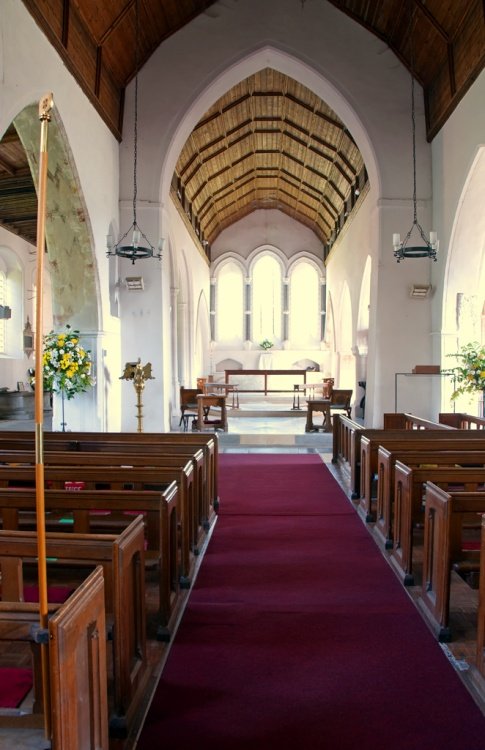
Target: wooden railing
(463, 421)
(404, 421)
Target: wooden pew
(166, 442)
(122, 559)
(408, 505)
(159, 510)
(347, 451)
(402, 440)
(121, 478)
(386, 460)
(76, 662)
(480, 657)
(406, 421)
(462, 421)
(444, 516)
(197, 518)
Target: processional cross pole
(138, 374)
(45, 106)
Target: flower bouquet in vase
(67, 365)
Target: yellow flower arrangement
(66, 364)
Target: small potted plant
(266, 344)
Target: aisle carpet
(298, 635)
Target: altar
(271, 381)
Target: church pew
(408, 505)
(159, 510)
(406, 421)
(462, 421)
(480, 654)
(347, 450)
(386, 460)
(120, 478)
(197, 518)
(444, 514)
(122, 559)
(402, 440)
(76, 663)
(144, 441)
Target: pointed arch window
(304, 309)
(267, 299)
(230, 304)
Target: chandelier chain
(135, 124)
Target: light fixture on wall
(431, 245)
(135, 251)
(134, 283)
(420, 291)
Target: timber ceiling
(283, 152)
(269, 143)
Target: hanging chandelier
(431, 244)
(137, 250)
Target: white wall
(370, 91)
(29, 67)
(269, 227)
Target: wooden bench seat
(121, 478)
(408, 505)
(76, 661)
(160, 514)
(480, 654)
(122, 560)
(386, 460)
(401, 440)
(462, 421)
(132, 442)
(444, 515)
(197, 508)
(347, 438)
(406, 421)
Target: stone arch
(69, 238)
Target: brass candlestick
(139, 375)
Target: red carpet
(15, 683)
(298, 635)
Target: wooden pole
(45, 106)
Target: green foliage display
(470, 373)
